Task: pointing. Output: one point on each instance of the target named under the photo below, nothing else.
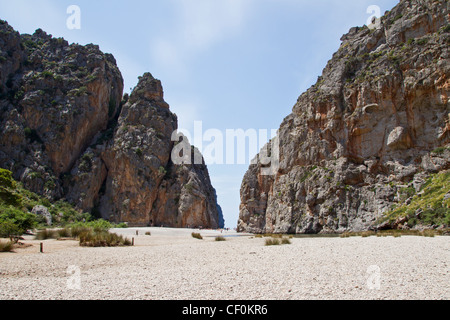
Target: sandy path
(170, 264)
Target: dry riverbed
(170, 264)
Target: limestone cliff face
(187, 190)
(364, 133)
(55, 99)
(67, 133)
(144, 187)
(138, 154)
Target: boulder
(43, 212)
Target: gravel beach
(171, 265)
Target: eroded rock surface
(364, 133)
(66, 132)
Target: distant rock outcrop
(144, 187)
(367, 136)
(66, 132)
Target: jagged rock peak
(66, 132)
(148, 88)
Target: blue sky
(229, 63)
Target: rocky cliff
(66, 132)
(367, 137)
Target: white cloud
(195, 27)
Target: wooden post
(137, 232)
(132, 242)
(42, 247)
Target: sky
(227, 64)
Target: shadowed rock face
(54, 99)
(144, 187)
(137, 157)
(66, 133)
(363, 132)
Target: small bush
(46, 234)
(162, 170)
(8, 229)
(220, 238)
(23, 221)
(197, 236)
(100, 225)
(64, 233)
(285, 241)
(367, 234)
(428, 233)
(79, 229)
(47, 74)
(6, 179)
(148, 233)
(439, 151)
(102, 239)
(272, 242)
(10, 198)
(271, 235)
(422, 42)
(6, 246)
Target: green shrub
(197, 236)
(77, 230)
(6, 179)
(69, 215)
(54, 234)
(10, 198)
(430, 205)
(285, 241)
(272, 242)
(6, 246)
(428, 233)
(162, 170)
(94, 235)
(439, 150)
(21, 220)
(422, 42)
(9, 229)
(100, 225)
(220, 238)
(47, 74)
(47, 234)
(92, 238)
(96, 225)
(64, 233)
